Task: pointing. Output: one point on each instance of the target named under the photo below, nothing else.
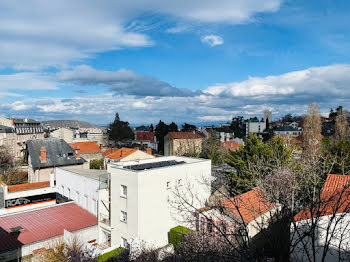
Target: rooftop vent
(16, 229)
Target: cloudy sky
(186, 60)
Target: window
(106, 238)
(123, 216)
(123, 191)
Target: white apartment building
(81, 186)
(135, 205)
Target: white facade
(338, 237)
(139, 207)
(255, 127)
(80, 185)
(64, 133)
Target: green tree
(211, 149)
(161, 131)
(96, 164)
(120, 131)
(336, 156)
(188, 128)
(173, 127)
(255, 160)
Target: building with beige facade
(8, 139)
(182, 143)
(63, 133)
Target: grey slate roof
(6, 129)
(25, 121)
(58, 153)
(287, 128)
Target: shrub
(110, 254)
(96, 164)
(176, 234)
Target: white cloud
(39, 33)
(122, 82)
(286, 93)
(315, 82)
(212, 40)
(11, 83)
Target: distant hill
(75, 124)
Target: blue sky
(184, 61)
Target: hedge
(176, 234)
(109, 254)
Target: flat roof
(42, 224)
(153, 165)
(95, 174)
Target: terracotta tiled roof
(121, 153)
(184, 135)
(109, 151)
(230, 145)
(248, 206)
(145, 136)
(27, 186)
(335, 197)
(86, 147)
(43, 224)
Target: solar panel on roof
(154, 165)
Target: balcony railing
(105, 219)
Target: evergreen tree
(188, 128)
(161, 131)
(120, 131)
(211, 149)
(173, 127)
(254, 161)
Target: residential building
(230, 145)
(255, 126)
(26, 129)
(44, 155)
(127, 154)
(181, 143)
(6, 121)
(289, 130)
(64, 133)
(251, 209)
(328, 223)
(97, 135)
(136, 204)
(21, 234)
(81, 186)
(88, 150)
(8, 138)
(146, 139)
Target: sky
(196, 61)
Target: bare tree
(341, 125)
(312, 129)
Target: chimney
(101, 147)
(43, 154)
(149, 151)
(77, 153)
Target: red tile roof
(248, 206)
(109, 151)
(43, 224)
(230, 145)
(121, 153)
(145, 136)
(86, 147)
(184, 135)
(335, 198)
(27, 186)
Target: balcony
(105, 219)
